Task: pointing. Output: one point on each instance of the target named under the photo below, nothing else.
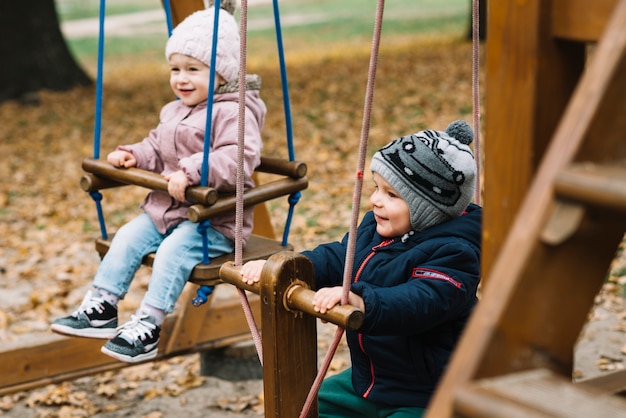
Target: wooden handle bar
(91, 183)
(204, 195)
(346, 316)
(258, 194)
(273, 165)
(298, 298)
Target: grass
(307, 25)
(82, 9)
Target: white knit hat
(194, 37)
(433, 171)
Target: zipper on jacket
(360, 336)
(369, 256)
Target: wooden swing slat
(147, 179)
(280, 166)
(258, 194)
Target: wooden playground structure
(554, 200)
(554, 197)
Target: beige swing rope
(361, 166)
(356, 202)
(243, 298)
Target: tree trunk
(33, 50)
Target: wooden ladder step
(534, 393)
(256, 248)
(593, 184)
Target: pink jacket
(177, 143)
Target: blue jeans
(178, 251)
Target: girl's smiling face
(189, 79)
(393, 217)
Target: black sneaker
(94, 318)
(137, 340)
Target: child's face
(392, 213)
(189, 79)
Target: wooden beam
(289, 364)
(530, 77)
(580, 20)
(533, 394)
(52, 358)
(180, 9)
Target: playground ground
(47, 224)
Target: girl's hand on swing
(177, 183)
(251, 271)
(124, 159)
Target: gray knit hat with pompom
(433, 171)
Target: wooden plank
(611, 383)
(580, 20)
(595, 184)
(228, 319)
(535, 393)
(53, 358)
(523, 106)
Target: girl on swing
(416, 274)
(175, 150)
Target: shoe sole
(128, 359)
(99, 333)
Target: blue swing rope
(96, 195)
(294, 198)
(168, 16)
(203, 292)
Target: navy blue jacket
(418, 296)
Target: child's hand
(177, 184)
(251, 271)
(327, 297)
(119, 158)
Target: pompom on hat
(433, 171)
(194, 37)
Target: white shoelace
(89, 304)
(137, 328)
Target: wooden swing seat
(256, 248)
(292, 178)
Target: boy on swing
(175, 150)
(417, 269)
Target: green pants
(336, 398)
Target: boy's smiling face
(393, 217)
(189, 79)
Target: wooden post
(531, 76)
(289, 337)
